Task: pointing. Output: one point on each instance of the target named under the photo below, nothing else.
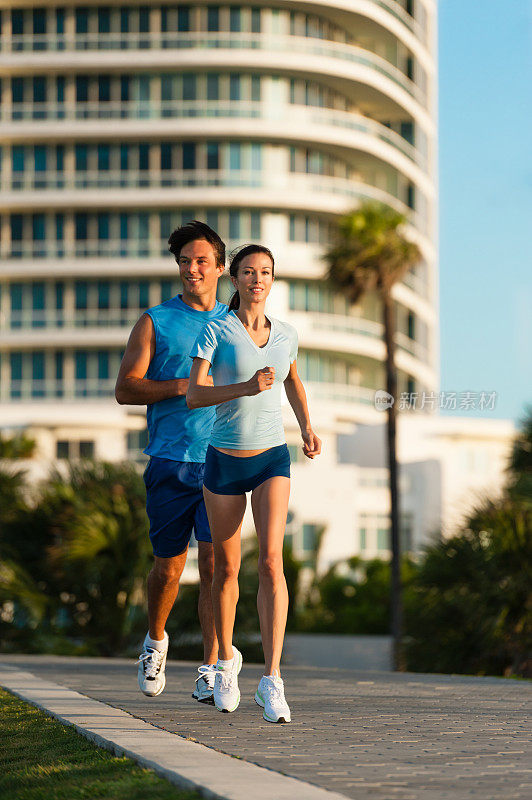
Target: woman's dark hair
(190, 233)
(237, 258)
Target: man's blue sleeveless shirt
(177, 432)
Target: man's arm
(132, 388)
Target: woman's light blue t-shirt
(247, 423)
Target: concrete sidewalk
(364, 735)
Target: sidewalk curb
(187, 765)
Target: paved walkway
(368, 736)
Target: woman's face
(254, 278)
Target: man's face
(198, 268)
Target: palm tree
(371, 254)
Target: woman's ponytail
(234, 302)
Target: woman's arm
(295, 392)
(200, 394)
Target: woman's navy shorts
(226, 474)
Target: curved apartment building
(266, 120)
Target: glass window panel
(383, 539)
(183, 18)
(103, 226)
(362, 534)
(17, 227)
(309, 537)
(37, 296)
(189, 87)
(235, 155)
(212, 219)
(59, 366)
(144, 19)
(234, 87)
(144, 294)
(16, 366)
(59, 296)
(124, 295)
(62, 449)
(17, 21)
(255, 20)
(82, 88)
(189, 155)
(81, 292)
(144, 222)
(81, 154)
(124, 20)
(124, 157)
(256, 156)
(235, 21)
(104, 88)
(17, 157)
(39, 20)
(255, 225)
(37, 366)
(86, 449)
(234, 224)
(17, 90)
(39, 89)
(255, 88)
(125, 87)
(213, 18)
(15, 291)
(60, 20)
(213, 86)
(104, 19)
(80, 361)
(103, 157)
(80, 225)
(103, 364)
(59, 157)
(166, 155)
(103, 294)
(124, 226)
(39, 227)
(144, 156)
(82, 20)
(213, 155)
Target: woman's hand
(261, 381)
(311, 443)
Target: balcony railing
(75, 318)
(341, 393)
(300, 116)
(225, 41)
(308, 184)
(305, 321)
(297, 115)
(50, 389)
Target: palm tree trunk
(393, 468)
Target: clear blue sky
(485, 177)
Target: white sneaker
(226, 692)
(205, 684)
(270, 697)
(152, 663)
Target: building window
(235, 22)
(213, 155)
(309, 537)
(383, 539)
(363, 541)
(213, 83)
(213, 18)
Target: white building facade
(121, 121)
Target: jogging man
(154, 371)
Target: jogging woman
(251, 355)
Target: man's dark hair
(190, 233)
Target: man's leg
(163, 586)
(206, 617)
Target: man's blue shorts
(175, 505)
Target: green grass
(41, 759)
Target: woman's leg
(225, 513)
(269, 503)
